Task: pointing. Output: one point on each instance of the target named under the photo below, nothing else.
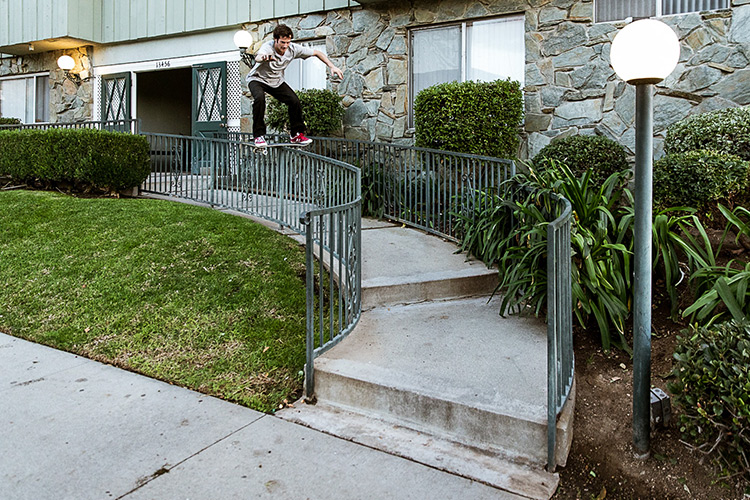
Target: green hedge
(712, 387)
(9, 121)
(82, 158)
(601, 155)
(698, 179)
(471, 117)
(726, 131)
(322, 110)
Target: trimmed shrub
(322, 109)
(698, 179)
(581, 153)
(82, 158)
(9, 121)
(712, 386)
(726, 131)
(480, 118)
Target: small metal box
(661, 408)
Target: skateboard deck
(278, 144)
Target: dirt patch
(602, 463)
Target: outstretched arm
(334, 70)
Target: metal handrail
(315, 196)
(319, 196)
(560, 356)
(428, 189)
(129, 126)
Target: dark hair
(282, 31)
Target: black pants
(285, 95)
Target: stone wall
(68, 102)
(370, 46)
(570, 87)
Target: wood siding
(109, 21)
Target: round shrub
(725, 130)
(698, 179)
(322, 110)
(712, 386)
(582, 152)
(481, 118)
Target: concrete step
(451, 370)
(516, 481)
(401, 265)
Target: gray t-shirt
(272, 72)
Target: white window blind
(483, 50)
(25, 98)
(308, 73)
(615, 10)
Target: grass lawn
(185, 294)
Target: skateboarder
(267, 77)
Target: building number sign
(163, 64)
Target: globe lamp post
(244, 40)
(643, 53)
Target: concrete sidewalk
(73, 428)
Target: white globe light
(243, 39)
(645, 51)
(65, 63)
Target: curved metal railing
(320, 196)
(315, 196)
(560, 357)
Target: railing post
(309, 389)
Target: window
(480, 50)
(26, 98)
(615, 10)
(308, 73)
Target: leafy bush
(725, 131)
(470, 117)
(601, 241)
(9, 121)
(322, 110)
(712, 386)
(82, 158)
(583, 152)
(698, 179)
(723, 291)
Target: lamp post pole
(644, 53)
(644, 125)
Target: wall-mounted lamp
(644, 53)
(66, 63)
(243, 40)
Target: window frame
(465, 38)
(34, 93)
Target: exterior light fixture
(243, 40)
(645, 52)
(66, 63)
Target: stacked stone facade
(570, 87)
(68, 102)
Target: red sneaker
(300, 139)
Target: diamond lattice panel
(234, 90)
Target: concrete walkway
(76, 429)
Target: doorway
(164, 101)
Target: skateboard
(264, 149)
